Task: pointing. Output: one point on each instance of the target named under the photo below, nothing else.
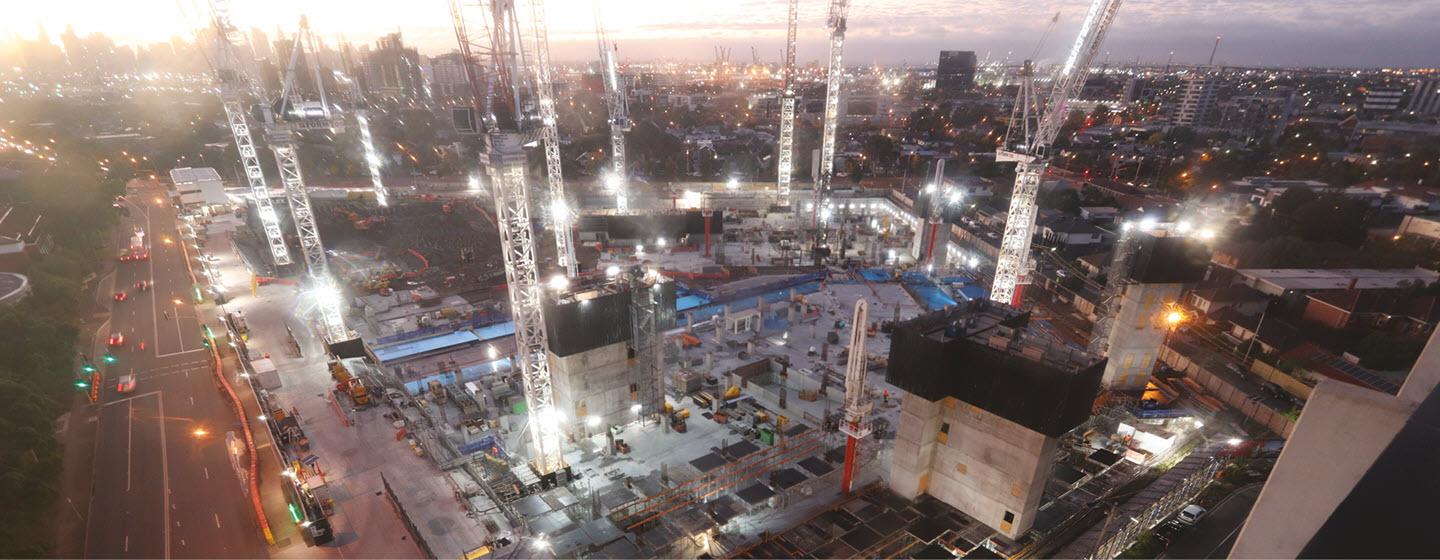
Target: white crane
(856, 424)
(619, 111)
(506, 130)
(785, 162)
(233, 81)
(550, 138)
(296, 114)
(833, 79)
(1013, 266)
(372, 159)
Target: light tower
(857, 407)
(619, 111)
(785, 162)
(233, 81)
(506, 129)
(1012, 268)
(833, 78)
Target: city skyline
(1263, 33)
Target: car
(125, 384)
(1191, 515)
(120, 296)
(1168, 531)
(117, 339)
(142, 256)
(143, 285)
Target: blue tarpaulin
(931, 297)
(876, 275)
(425, 345)
(973, 292)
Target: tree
(1332, 217)
(1290, 201)
(1384, 351)
(881, 150)
(1287, 252)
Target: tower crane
(857, 406)
(1012, 268)
(292, 114)
(785, 162)
(550, 138)
(833, 78)
(233, 81)
(619, 111)
(372, 159)
(507, 128)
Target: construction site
(773, 371)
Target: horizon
(1257, 34)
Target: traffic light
(108, 358)
(88, 368)
(82, 384)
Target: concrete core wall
(1138, 332)
(982, 464)
(596, 383)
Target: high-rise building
(1260, 118)
(447, 76)
(1196, 106)
(984, 403)
(1357, 475)
(1425, 100)
(1382, 100)
(260, 44)
(956, 72)
(393, 70)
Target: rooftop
(1307, 279)
(181, 175)
(984, 355)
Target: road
(163, 485)
(1214, 535)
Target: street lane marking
(129, 451)
(165, 474)
(207, 472)
(127, 543)
(128, 399)
(217, 520)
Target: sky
(1392, 33)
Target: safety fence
(1158, 511)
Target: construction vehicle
(348, 384)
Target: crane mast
(372, 159)
(857, 407)
(1013, 266)
(506, 130)
(280, 131)
(833, 78)
(233, 80)
(550, 139)
(785, 161)
(939, 237)
(619, 111)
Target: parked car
(1191, 515)
(125, 384)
